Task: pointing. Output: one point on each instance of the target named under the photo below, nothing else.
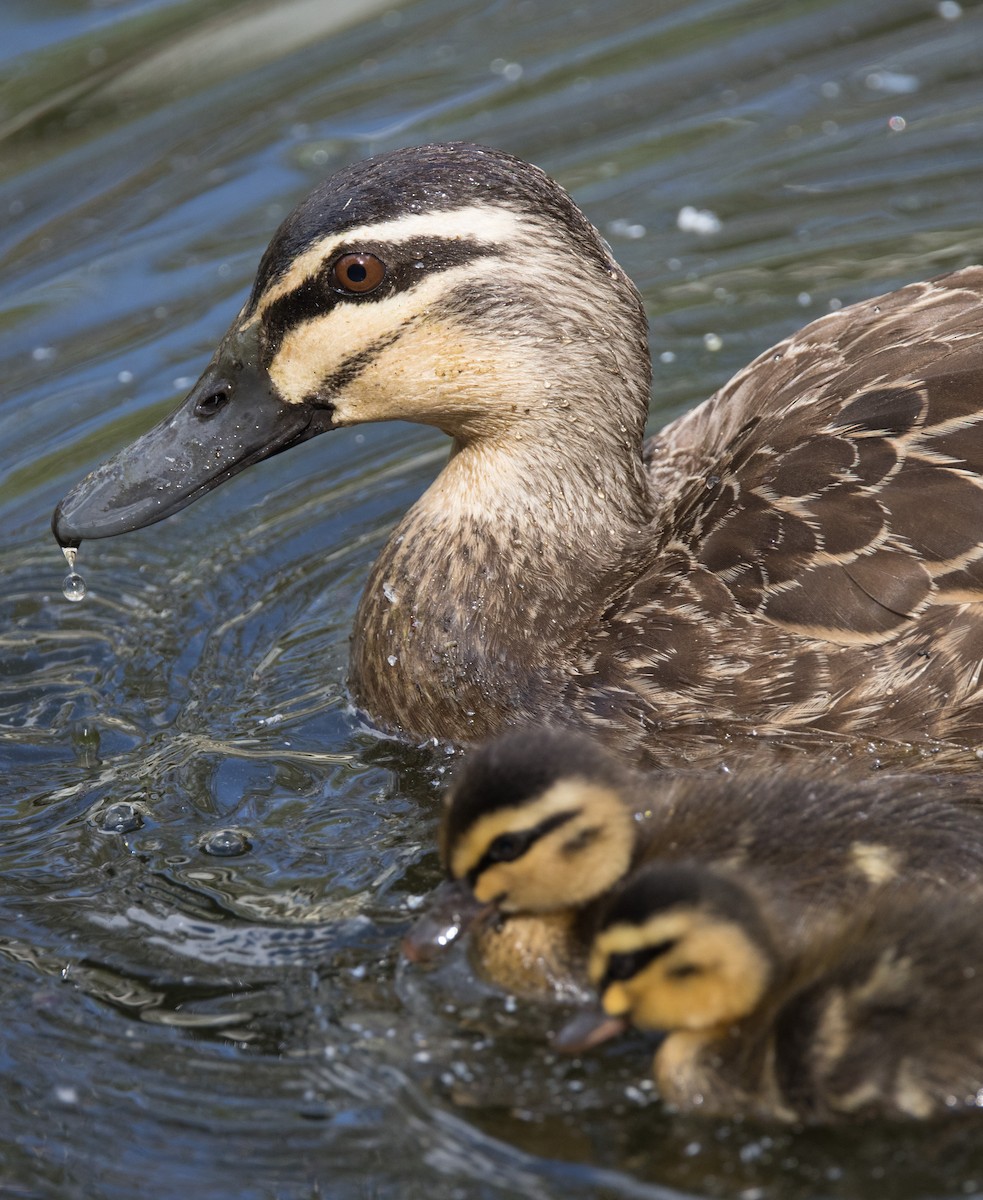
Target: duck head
(681, 948)
(450, 284)
(537, 822)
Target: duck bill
(587, 1030)
(231, 419)
(452, 912)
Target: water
(174, 1021)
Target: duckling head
(451, 284)
(536, 822)
(681, 948)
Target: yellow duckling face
(681, 949)
(536, 823)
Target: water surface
(176, 1022)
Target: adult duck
(802, 551)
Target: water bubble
(698, 220)
(226, 843)
(713, 341)
(627, 229)
(894, 83)
(120, 818)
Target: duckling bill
(775, 557)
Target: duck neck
(491, 577)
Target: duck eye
(506, 847)
(357, 273)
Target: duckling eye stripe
(526, 837)
(627, 966)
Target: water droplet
(120, 818)
(713, 341)
(73, 585)
(226, 843)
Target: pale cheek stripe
(315, 350)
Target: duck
(880, 1016)
(541, 825)
(799, 553)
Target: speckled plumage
(800, 553)
(809, 849)
(880, 1014)
(812, 558)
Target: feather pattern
(803, 552)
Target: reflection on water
(181, 1021)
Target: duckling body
(881, 1016)
(540, 825)
(777, 557)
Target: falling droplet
(73, 585)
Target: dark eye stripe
(519, 843)
(626, 966)
(316, 296)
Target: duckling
(880, 1016)
(541, 824)
(777, 557)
